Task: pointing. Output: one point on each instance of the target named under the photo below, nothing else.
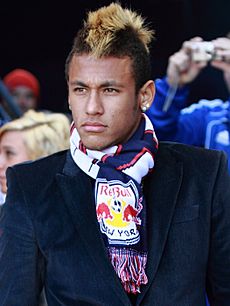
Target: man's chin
(96, 147)
(95, 143)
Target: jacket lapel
(76, 188)
(161, 191)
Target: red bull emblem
(103, 211)
(118, 208)
(130, 214)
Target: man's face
(102, 96)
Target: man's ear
(147, 93)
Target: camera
(203, 51)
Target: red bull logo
(117, 211)
(116, 191)
(103, 211)
(130, 214)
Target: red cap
(21, 77)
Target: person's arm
(182, 67)
(171, 97)
(20, 260)
(179, 123)
(218, 269)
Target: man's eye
(79, 89)
(111, 90)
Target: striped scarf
(120, 206)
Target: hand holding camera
(222, 47)
(181, 68)
(216, 50)
(203, 51)
(185, 65)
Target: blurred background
(38, 37)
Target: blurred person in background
(34, 135)
(24, 88)
(206, 123)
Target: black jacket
(50, 234)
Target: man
(205, 123)
(117, 220)
(24, 87)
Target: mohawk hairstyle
(104, 25)
(115, 31)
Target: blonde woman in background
(34, 135)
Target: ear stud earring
(144, 108)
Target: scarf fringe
(130, 268)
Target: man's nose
(94, 103)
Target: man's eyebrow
(111, 83)
(102, 85)
(78, 83)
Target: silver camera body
(203, 51)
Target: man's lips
(96, 127)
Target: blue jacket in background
(205, 124)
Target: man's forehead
(104, 69)
(86, 60)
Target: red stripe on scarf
(135, 159)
